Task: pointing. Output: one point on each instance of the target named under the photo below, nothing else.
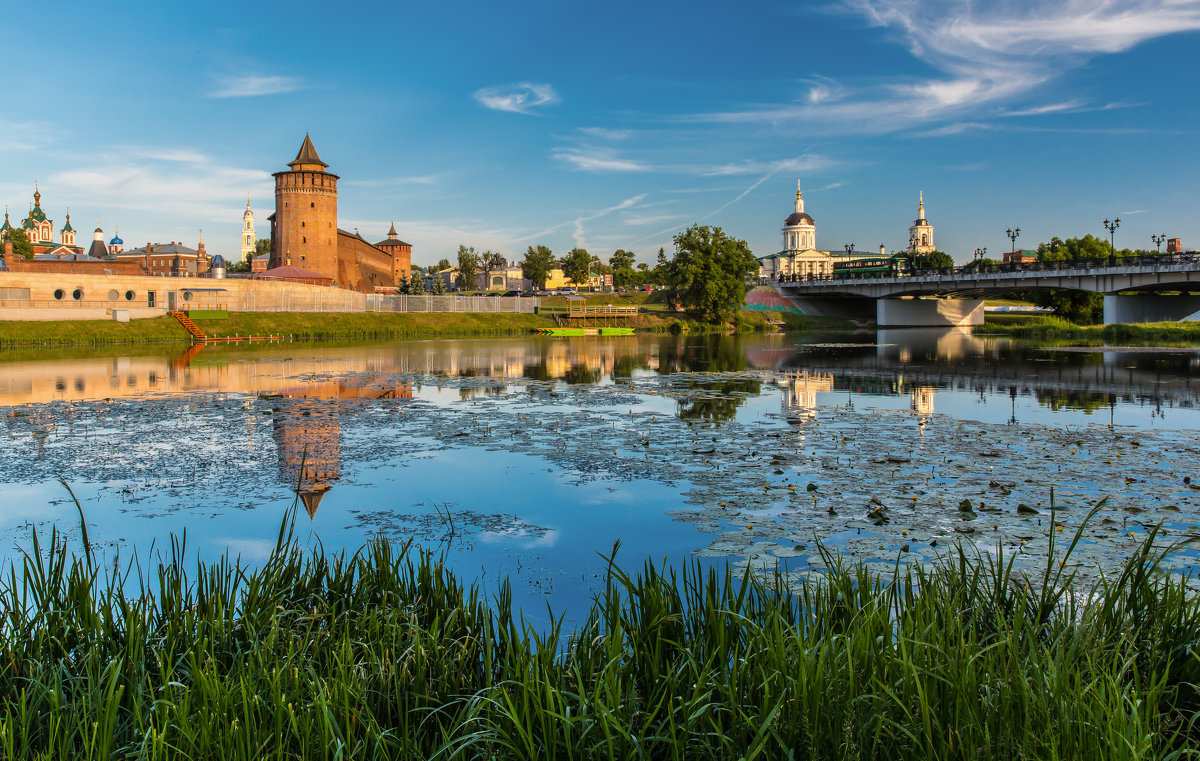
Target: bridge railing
(1077, 266)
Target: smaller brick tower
(304, 225)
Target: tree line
(707, 275)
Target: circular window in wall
(187, 295)
(129, 295)
(113, 295)
(58, 294)
(77, 294)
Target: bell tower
(920, 235)
(304, 225)
(247, 232)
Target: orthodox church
(799, 259)
(39, 229)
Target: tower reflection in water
(308, 435)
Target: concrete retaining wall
(66, 296)
(928, 312)
(1150, 308)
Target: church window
(924, 240)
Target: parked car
(509, 294)
(568, 292)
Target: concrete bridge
(1148, 289)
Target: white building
(247, 232)
(799, 259)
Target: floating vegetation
(756, 470)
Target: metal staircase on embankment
(190, 326)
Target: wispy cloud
(598, 160)
(384, 182)
(519, 98)
(988, 54)
(578, 222)
(26, 135)
(604, 133)
(249, 86)
(804, 163)
(637, 220)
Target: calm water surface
(529, 458)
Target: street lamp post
(980, 254)
(1013, 234)
(849, 248)
(1112, 234)
(1158, 241)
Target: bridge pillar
(1150, 308)
(928, 313)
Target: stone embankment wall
(73, 296)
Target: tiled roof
(307, 154)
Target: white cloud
(598, 160)
(164, 183)
(248, 86)
(519, 98)
(988, 54)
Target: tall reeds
(385, 654)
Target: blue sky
(615, 125)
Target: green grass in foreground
(385, 654)
(1045, 326)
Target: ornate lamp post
(1013, 234)
(980, 253)
(1112, 233)
(1158, 241)
(849, 248)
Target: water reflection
(913, 363)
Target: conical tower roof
(307, 158)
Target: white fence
(496, 304)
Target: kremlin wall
(314, 266)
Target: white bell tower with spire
(247, 232)
(799, 230)
(920, 235)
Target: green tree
(709, 272)
(936, 260)
(262, 246)
(416, 286)
(621, 259)
(576, 265)
(536, 265)
(20, 243)
(469, 264)
(1080, 307)
(404, 286)
(443, 264)
(438, 286)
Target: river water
(532, 458)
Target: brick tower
(304, 225)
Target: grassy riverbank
(360, 326)
(387, 655)
(1045, 326)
